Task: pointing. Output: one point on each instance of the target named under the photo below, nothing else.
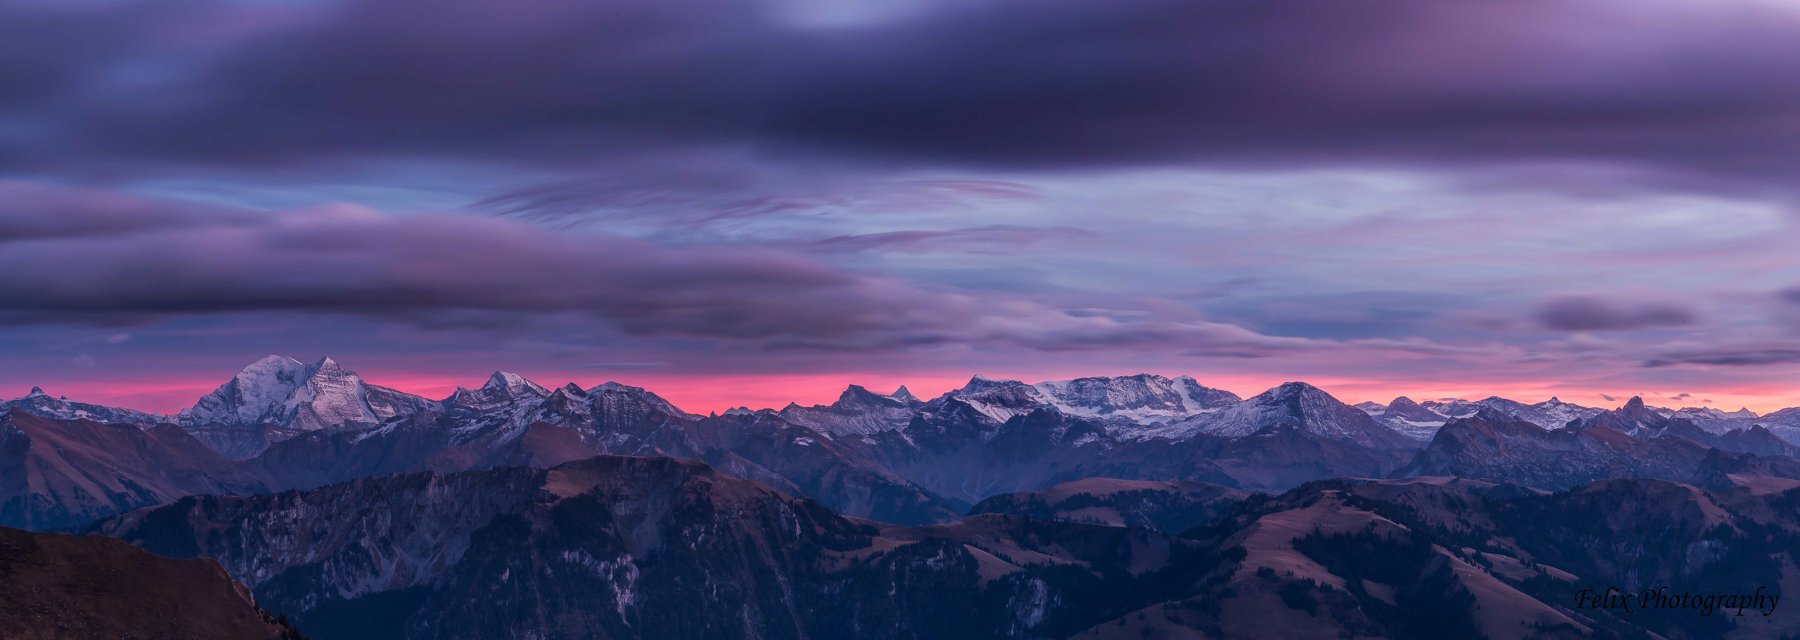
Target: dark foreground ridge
(56, 586)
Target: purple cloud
(434, 270)
(1729, 357)
(1238, 82)
(1592, 313)
(987, 239)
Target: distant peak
(513, 384)
(1636, 403)
(273, 362)
(36, 392)
(902, 394)
(1289, 388)
(505, 379)
(1553, 400)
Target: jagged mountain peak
(277, 396)
(904, 395)
(1293, 386)
(272, 360)
(857, 411)
(1290, 391)
(1291, 406)
(39, 403)
(978, 383)
(619, 396)
(859, 396)
(513, 383)
(501, 389)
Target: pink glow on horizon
(704, 394)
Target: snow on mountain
(1137, 400)
(282, 391)
(858, 411)
(636, 399)
(1716, 421)
(1405, 416)
(1291, 406)
(1549, 414)
(1784, 423)
(43, 405)
(501, 388)
(1145, 398)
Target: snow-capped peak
(282, 391)
(513, 384)
(1292, 405)
(37, 392)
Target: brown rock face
(54, 587)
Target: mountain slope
(55, 587)
(65, 473)
(1497, 447)
(652, 547)
(38, 403)
(1291, 406)
(1170, 507)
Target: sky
(751, 202)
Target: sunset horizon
(588, 319)
(704, 395)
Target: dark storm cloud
(1744, 357)
(1700, 88)
(1592, 313)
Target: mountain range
(617, 547)
(280, 424)
(1122, 507)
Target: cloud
(437, 270)
(1593, 313)
(36, 212)
(986, 239)
(702, 192)
(1744, 357)
(1689, 87)
(1609, 398)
